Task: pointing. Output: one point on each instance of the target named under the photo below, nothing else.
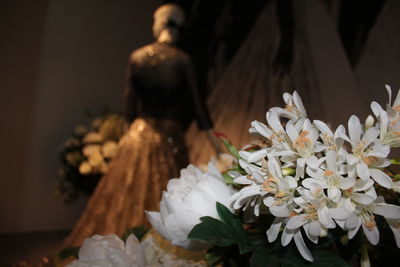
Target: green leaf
(223, 233)
(212, 258)
(211, 230)
(395, 161)
(322, 258)
(262, 258)
(228, 145)
(228, 179)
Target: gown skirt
(150, 153)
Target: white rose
(90, 150)
(188, 198)
(109, 149)
(110, 250)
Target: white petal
(273, 231)
(257, 155)
(334, 194)
(331, 157)
(312, 162)
(313, 239)
(354, 129)
(273, 121)
(268, 201)
(340, 133)
(388, 211)
(378, 150)
(135, 251)
(307, 183)
(351, 159)
(279, 211)
(371, 234)
(157, 223)
(353, 231)
(325, 219)
(296, 221)
(262, 129)
(397, 100)
(339, 213)
(287, 236)
(315, 228)
(381, 178)
(362, 198)
(291, 132)
(353, 222)
(301, 246)
(376, 108)
(242, 180)
(394, 225)
(322, 127)
(298, 103)
(346, 183)
(362, 171)
(370, 136)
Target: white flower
(304, 146)
(188, 198)
(332, 141)
(109, 149)
(110, 250)
(364, 216)
(368, 154)
(313, 215)
(389, 120)
(294, 109)
(330, 178)
(265, 184)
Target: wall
(62, 58)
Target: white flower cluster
(311, 177)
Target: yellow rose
(92, 137)
(109, 149)
(95, 160)
(85, 168)
(90, 150)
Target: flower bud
(369, 122)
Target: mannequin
(161, 98)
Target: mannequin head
(167, 21)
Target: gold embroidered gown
(161, 99)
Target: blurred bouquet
(303, 195)
(86, 154)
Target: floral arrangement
(302, 195)
(86, 154)
(302, 182)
